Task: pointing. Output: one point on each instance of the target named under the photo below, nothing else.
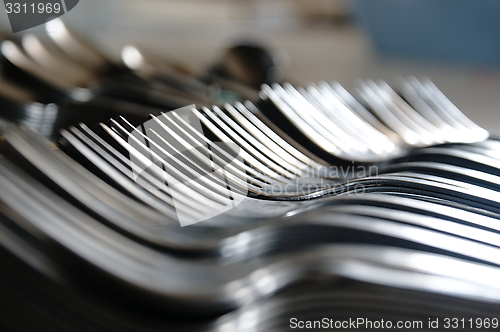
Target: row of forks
(301, 204)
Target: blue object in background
(462, 30)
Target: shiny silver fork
(429, 101)
(336, 122)
(426, 109)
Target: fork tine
(248, 110)
(163, 190)
(196, 192)
(256, 144)
(222, 177)
(304, 110)
(350, 124)
(389, 118)
(300, 123)
(349, 101)
(373, 89)
(384, 88)
(182, 138)
(432, 103)
(241, 181)
(197, 137)
(419, 105)
(449, 112)
(448, 105)
(355, 143)
(164, 204)
(266, 141)
(168, 150)
(324, 90)
(198, 180)
(257, 155)
(246, 156)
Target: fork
(135, 259)
(323, 117)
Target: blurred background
(456, 43)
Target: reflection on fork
(373, 192)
